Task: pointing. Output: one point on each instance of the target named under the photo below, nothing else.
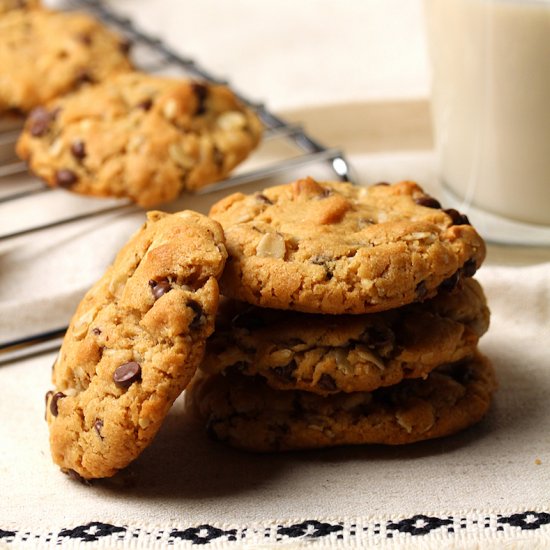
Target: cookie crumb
(538, 461)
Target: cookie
(9, 5)
(138, 136)
(44, 54)
(134, 343)
(337, 248)
(348, 353)
(245, 412)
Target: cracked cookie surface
(45, 54)
(328, 247)
(138, 136)
(245, 412)
(326, 354)
(134, 343)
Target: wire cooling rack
(149, 54)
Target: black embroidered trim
(417, 526)
(91, 531)
(203, 534)
(310, 528)
(527, 520)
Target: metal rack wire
(152, 55)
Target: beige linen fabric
(184, 481)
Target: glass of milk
(491, 113)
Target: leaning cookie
(327, 354)
(9, 5)
(134, 343)
(246, 413)
(327, 247)
(138, 136)
(45, 54)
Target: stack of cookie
(351, 317)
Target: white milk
(491, 103)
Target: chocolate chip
(146, 104)
(428, 202)
(128, 373)
(378, 337)
(381, 184)
(217, 157)
(53, 403)
(320, 260)
(324, 262)
(76, 476)
(260, 197)
(84, 38)
(98, 425)
(198, 311)
(39, 121)
(48, 395)
(125, 45)
(421, 290)
(65, 178)
(286, 373)
(159, 288)
(469, 268)
(78, 149)
(201, 93)
(326, 193)
(326, 382)
(456, 217)
(450, 283)
(96, 331)
(83, 77)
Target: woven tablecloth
(487, 485)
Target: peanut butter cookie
(245, 412)
(9, 5)
(45, 54)
(337, 248)
(134, 343)
(348, 353)
(138, 136)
